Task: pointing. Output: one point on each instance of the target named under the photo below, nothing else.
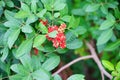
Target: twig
(96, 59)
(17, 7)
(71, 63)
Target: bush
(35, 33)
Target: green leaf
(41, 74)
(18, 68)
(41, 13)
(104, 9)
(9, 15)
(108, 65)
(73, 22)
(36, 61)
(27, 29)
(78, 12)
(72, 42)
(106, 24)
(9, 3)
(78, 30)
(27, 62)
(25, 7)
(24, 48)
(5, 67)
(32, 18)
(5, 52)
(51, 63)
(11, 24)
(118, 66)
(57, 77)
(112, 46)
(13, 37)
(92, 7)
(53, 34)
(34, 6)
(76, 77)
(39, 40)
(42, 28)
(104, 37)
(22, 14)
(59, 6)
(56, 15)
(66, 18)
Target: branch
(96, 59)
(71, 63)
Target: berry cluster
(60, 39)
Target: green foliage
(25, 54)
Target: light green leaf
(36, 61)
(53, 34)
(66, 18)
(22, 14)
(27, 29)
(32, 18)
(27, 62)
(118, 66)
(13, 37)
(112, 46)
(41, 74)
(74, 22)
(34, 6)
(56, 15)
(25, 7)
(18, 68)
(59, 6)
(24, 48)
(39, 40)
(104, 37)
(51, 63)
(108, 65)
(42, 28)
(57, 77)
(11, 24)
(41, 13)
(92, 7)
(106, 24)
(76, 77)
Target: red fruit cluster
(60, 39)
(44, 22)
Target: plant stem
(71, 63)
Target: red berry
(36, 51)
(44, 22)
